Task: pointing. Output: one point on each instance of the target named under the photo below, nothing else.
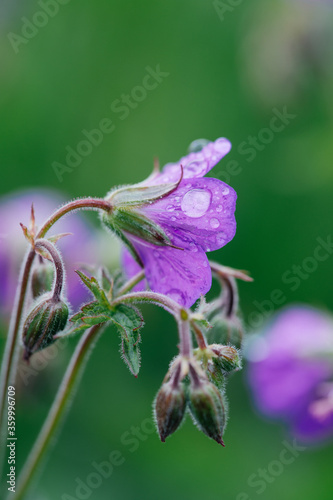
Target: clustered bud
(207, 409)
(47, 319)
(188, 386)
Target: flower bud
(45, 321)
(42, 279)
(225, 357)
(169, 408)
(208, 410)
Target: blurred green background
(229, 69)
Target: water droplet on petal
(197, 145)
(196, 202)
(219, 208)
(193, 247)
(173, 219)
(225, 191)
(214, 223)
(170, 208)
(220, 238)
(195, 169)
(222, 146)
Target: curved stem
(230, 296)
(11, 354)
(200, 337)
(92, 203)
(10, 357)
(61, 403)
(58, 265)
(157, 298)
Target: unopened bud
(225, 357)
(42, 279)
(46, 320)
(169, 408)
(208, 410)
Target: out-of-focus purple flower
(291, 371)
(76, 249)
(197, 217)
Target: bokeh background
(230, 70)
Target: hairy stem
(185, 337)
(156, 298)
(58, 265)
(132, 282)
(11, 353)
(88, 203)
(200, 337)
(61, 404)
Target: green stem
(61, 403)
(132, 282)
(58, 266)
(151, 297)
(11, 355)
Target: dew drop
(225, 191)
(197, 145)
(219, 208)
(196, 168)
(193, 247)
(170, 208)
(214, 223)
(220, 238)
(196, 202)
(173, 219)
(222, 146)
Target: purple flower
(291, 371)
(76, 249)
(197, 216)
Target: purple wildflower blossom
(198, 217)
(291, 373)
(15, 208)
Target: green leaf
(95, 288)
(127, 319)
(129, 322)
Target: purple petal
(308, 428)
(183, 275)
(283, 385)
(286, 364)
(131, 268)
(194, 165)
(76, 249)
(200, 212)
